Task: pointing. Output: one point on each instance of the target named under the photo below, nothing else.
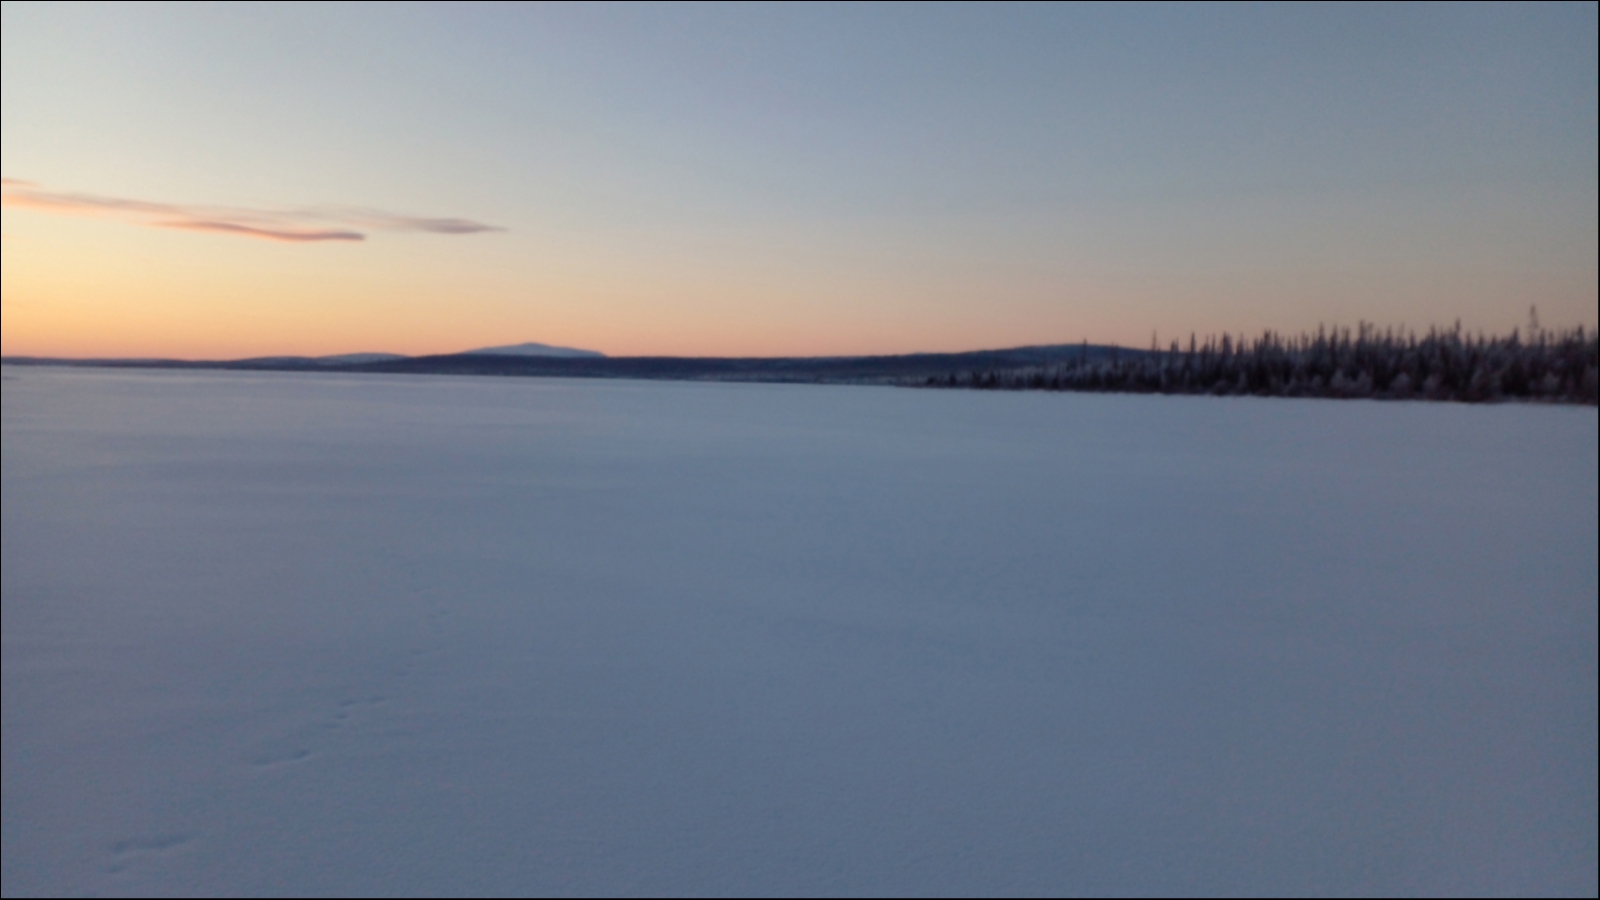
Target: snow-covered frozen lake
(281, 633)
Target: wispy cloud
(271, 234)
(379, 220)
(293, 225)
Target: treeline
(1542, 365)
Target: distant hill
(307, 362)
(540, 360)
(351, 359)
(1443, 365)
(902, 368)
(531, 349)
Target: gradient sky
(234, 180)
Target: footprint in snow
(130, 852)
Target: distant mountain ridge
(1562, 367)
(338, 359)
(532, 349)
(542, 360)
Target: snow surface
(284, 633)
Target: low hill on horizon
(886, 369)
(538, 360)
(530, 348)
(1442, 365)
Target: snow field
(310, 633)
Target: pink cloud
(299, 226)
(263, 233)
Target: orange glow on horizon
(89, 286)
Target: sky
(228, 180)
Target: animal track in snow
(274, 761)
(129, 852)
(296, 747)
